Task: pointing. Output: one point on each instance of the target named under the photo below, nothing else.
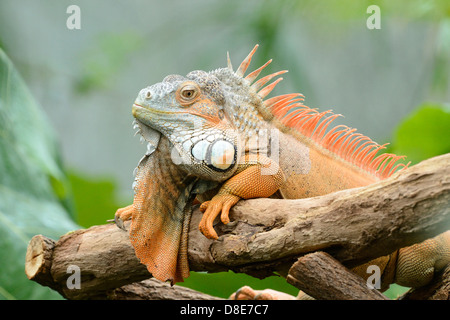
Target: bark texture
(266, 235)
(321, 276)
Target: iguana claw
(122, 215)
(247, 293)
(221, 203)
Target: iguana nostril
(148, 95)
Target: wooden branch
(152, 289)
(39, 261)
(268, 235)
(354, 225)
(114, 274)
(324, 278)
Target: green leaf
(95, 198)
(424, 134)
(34, 193)
(223, 284)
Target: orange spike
(387, 170)
(363, 153)
(338, 146)
(343, 141)
(266, 90)
(369, 157)
(330, 133)
(309, 126)
(383, 164)
(253, 75)
(244, 65)
(400, 165)
(356, 153)
(346, 141)
(329, 142)
(295, 115)
(281, 111)
(378, 160)
(352, 141)
(322, 127)
(272, 101)
(230, 66)
(286, 104)
(261, 82)
(350, 150)
(298, 120)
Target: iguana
(221, 140)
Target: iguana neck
(161, 213)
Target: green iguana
(223, 141)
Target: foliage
(424, 134)
(94, 198)
(34, 191)
(223, 284)
(107, 56)
(36, 195)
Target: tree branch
(269, 235)
(321, 276)
(152, 289)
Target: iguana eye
(188, 93)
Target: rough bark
(268, 235)
(152, 289)
(324, 278)
(39, 261)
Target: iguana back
(229, 143)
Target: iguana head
(189, 111)
(210, 117)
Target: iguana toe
(122, 215)
(247, 293)
(220, 204)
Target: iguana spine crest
(342, 141)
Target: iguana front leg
(257, 177)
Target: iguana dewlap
(217, 131)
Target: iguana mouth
(136, 107)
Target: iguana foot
(122, 215)
(220, 203)
(247, 293)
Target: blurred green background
(67, 150)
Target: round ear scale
(221, 155)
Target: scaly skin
(157, 178)
(222, 130)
